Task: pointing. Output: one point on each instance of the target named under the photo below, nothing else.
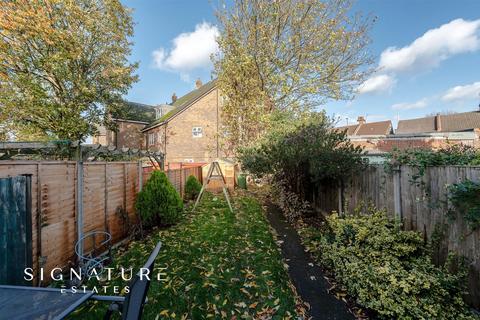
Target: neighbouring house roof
(455, 122)
(135, 111)
(368, 129)
(184, 102)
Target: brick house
(186, 130)
(431, 132)
(368, 135)
(189, 131)
(129, 121)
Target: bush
(159, 202)
(387, 269)
(303, 156)
(192, 188)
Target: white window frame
(152, 138)
(197, 132)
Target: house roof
(371, 128)
(184, 102)
(455, 122)
(135, 111)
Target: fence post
(140, 176)
(340, 199)
(105, 197)
(182, 176)
(39, 225)
(397, 192)
(79, 205)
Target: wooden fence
(103, 191)
(421, 203)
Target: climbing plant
(424, 158)
(465, 197)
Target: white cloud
(375, 117)
(378, 83)
(436, 45)
(469, 91)
(190, 50)
(414, 105)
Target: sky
(427, 56)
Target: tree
(63, 64)
(286, 55)
(303, 153)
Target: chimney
(198, 83)
(174, 97)
(361, 120)
(438, 122)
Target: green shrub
(159, 202)
(192, 188)
(387, 269)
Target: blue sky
(427, 53)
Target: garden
(382, 266)
(214, 263)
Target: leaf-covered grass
(218, 265)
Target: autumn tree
(285, 55)
(63, 64)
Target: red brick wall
(180, 143)
(388, 144)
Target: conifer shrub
(192, 188)
(159, 203)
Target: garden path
(307, 277)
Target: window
(188, 160)
(152, 138)
(197, 132)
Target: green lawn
(218, 265)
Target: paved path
(305, 275)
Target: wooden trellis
(72, 150)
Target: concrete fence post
(79, 205)
(397, 192)
(340, 200)
(140, 176)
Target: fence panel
(108, 202)
(422, 203)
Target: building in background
(431, 132)
(129, 121)
(186, 130)
(189, 132)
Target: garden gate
(15, 228)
